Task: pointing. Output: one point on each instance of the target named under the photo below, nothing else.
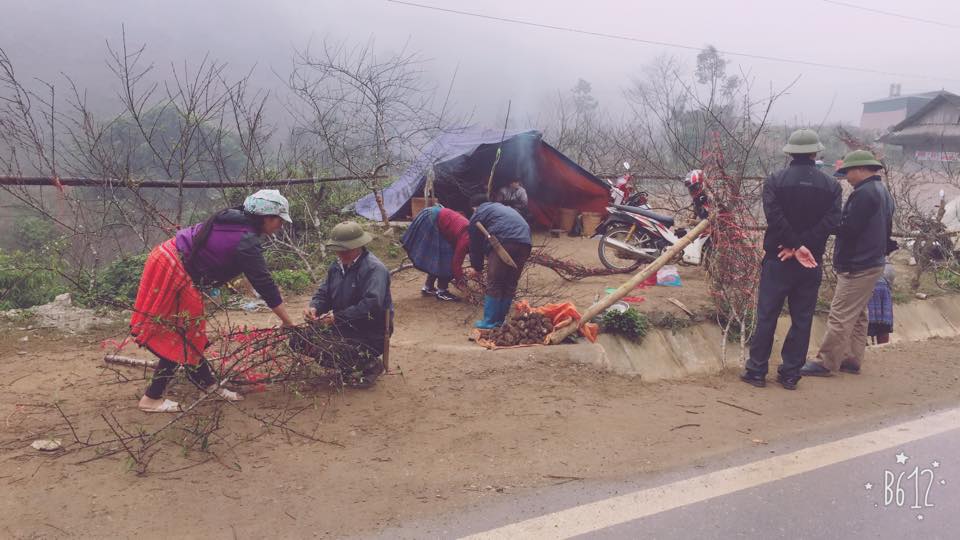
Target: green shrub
(282, 260)
(948, 278)
(630, 324)
(26, 280)
(293, 281)
(33, 234)
(115, 284)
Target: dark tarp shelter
(461, 163)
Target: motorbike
(621, 190)
(633, 234)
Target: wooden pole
(128, 361)
(117, 183)
(499, 148)
(428, 188)
(632, 283)
(386, 343)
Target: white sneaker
(228, 395)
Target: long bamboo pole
(632, 283)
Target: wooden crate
(591, 220)
(417, 204)
(567, 218)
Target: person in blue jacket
(513, 232)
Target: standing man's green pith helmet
(803, 141)
(859, 158)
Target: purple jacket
(233, 248)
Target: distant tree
(712, 71)
(581, 131)
(166, 133)
(583, 100)
(366, 113)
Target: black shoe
(365, 379)
(428, 291)
(789, 383)
(815, 369)
(444, 294)
(754, 379)
(848, 367)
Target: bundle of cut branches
(567, 269)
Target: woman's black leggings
(440, 282)
(200, 375)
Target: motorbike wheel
(615, 259)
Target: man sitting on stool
(354, 302)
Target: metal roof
(927, 95)
(908, 131)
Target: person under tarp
(437, 243)
(512, 231)
(515, 196)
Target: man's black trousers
(798, 286)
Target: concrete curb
(666, 354)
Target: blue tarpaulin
(462, 162)
(445, 147)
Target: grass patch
(669, 321)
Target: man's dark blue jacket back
(803, 207)
(503, 222)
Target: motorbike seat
(666, 220)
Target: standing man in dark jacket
(863, 242)
(355, 303)
(802, 207)
(509, 227)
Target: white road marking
(631, 506)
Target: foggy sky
(500, 61)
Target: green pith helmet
(348, 235)
(803, 141)
(859, 158)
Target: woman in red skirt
(168, 316)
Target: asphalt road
(829, 502)
(901, 481)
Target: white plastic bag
(668, 276)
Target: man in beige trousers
(862, 244)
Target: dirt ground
(453, 426)
(693, 293)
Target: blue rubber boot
(491, 308)
(503, 309)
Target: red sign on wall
(926, 155)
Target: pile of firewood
(522, 329)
